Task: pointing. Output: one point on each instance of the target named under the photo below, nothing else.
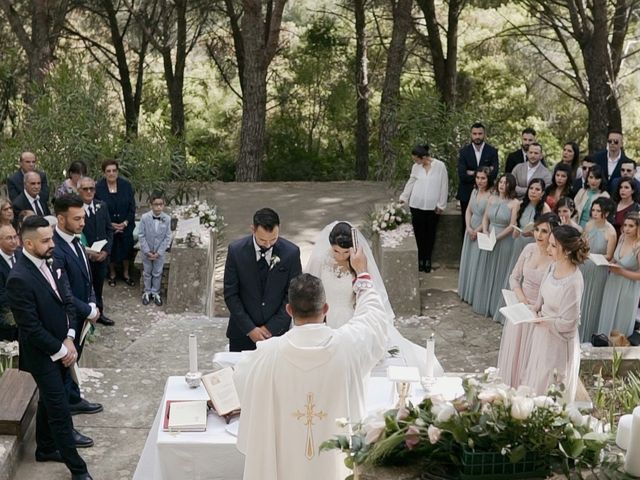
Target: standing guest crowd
(51, 286)
(567, 244)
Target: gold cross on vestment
(308, 416)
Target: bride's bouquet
(389, 217)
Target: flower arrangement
(515, 426)
(208, 215)
(389, 217)
(8, 351)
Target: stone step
(19, 398)
(9, 456)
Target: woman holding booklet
(500, 216)
(622, 289)
(473, 220)
(532, 206)
(602, 240)
(525, 282)
(556, 356)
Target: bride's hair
(340, 235)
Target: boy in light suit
(155, 237)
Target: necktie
(263, 268)
(78, 249)
(46, 271)
(37, 207)
(13, 260)
(90, 210)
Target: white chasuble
(293, 388)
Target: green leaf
(517, 454)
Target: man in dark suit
(579, 183)
(97, 226)
(15, 183)
(30, 198)
(257, 273)
(473, 156)
(611, 159)
(69, 256)
(520, 155)
(9, 253)
(627, 172)
(43, 310)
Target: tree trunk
(391, 88)
(595, 54)
(362, 92)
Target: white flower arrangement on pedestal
(389, 217)
(210, 218)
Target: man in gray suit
(532, 168)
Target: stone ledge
(9, 456)
(592, 360)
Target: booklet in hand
(222, 391)
(97, 246)
(520, 313)
(528, 228)
(487, 242)
(510, 297)
(599, 260)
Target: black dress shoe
(427, 266)
(49, 457)
(83, 406)
(106, 321)
(81, 441)
(81, 476)
(420, 266)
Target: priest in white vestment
(294, 387)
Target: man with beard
(520, 156)
(473, 156)
(42, 307)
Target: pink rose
(412, 437)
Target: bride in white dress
(329, 261)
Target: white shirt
(33, 201)
(427, 190)
(38, 262)
(612, 163)
(89, 209)
(69, 239)
(7, 258)
(267, 254)
(531, 171)
(478, 152)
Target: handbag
(599, 340)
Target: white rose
(443, 411)
(575, 416)
(342, 422)
(374, 432)
(521, 407)
(383, 225)
(542, 401)
(434, 434)
(386, 217)
(491, 395)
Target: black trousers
(53, 419)
(424, 223)
(98, 274)
(240, 344)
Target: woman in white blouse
(426, 192)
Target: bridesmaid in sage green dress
(602, 239)
(622, 290)
(532, 206)
(470, 251)
(500, 215)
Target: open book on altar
(487, 242)
(599, 260)
(520, 313)
(222, 391)
(185, 416)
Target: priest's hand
(358, 260)
(257, 335)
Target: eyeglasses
(613, 141)
(88, 189)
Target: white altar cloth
(212, 455)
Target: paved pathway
(129, 363)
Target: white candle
(632, 457)
(193, 353)
(431, 356)
(624, 431)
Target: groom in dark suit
(257, 273)
(42, 307)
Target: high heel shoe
(112, 281)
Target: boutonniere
(58, 273)
(274, 261)
(49, 262)
(97, 206)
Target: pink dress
(515, 344)
(555, 345)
